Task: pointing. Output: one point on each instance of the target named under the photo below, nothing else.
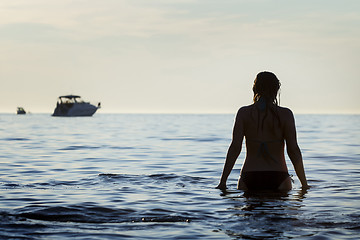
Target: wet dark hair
(266, 87)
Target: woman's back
(264, 134)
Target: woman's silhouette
(266, 128)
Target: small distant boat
(74, 106)
(20, 110)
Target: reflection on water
(260, 215)
(122, 176)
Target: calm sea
(144, 176)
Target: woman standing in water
(266, 127)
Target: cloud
(207, 50)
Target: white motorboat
(74, 106)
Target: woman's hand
(221, 186)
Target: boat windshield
(70, 99)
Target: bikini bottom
(263, 180)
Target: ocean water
(153, 176)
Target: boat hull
(20, 111)
(75, 110)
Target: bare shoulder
(246, 109)
(243, 112)
(285, 114)
(285, 111)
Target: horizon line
(192, 112)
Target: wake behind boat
(73, 106)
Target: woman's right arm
(293, 149)
(233, 151)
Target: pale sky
(179, 56)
